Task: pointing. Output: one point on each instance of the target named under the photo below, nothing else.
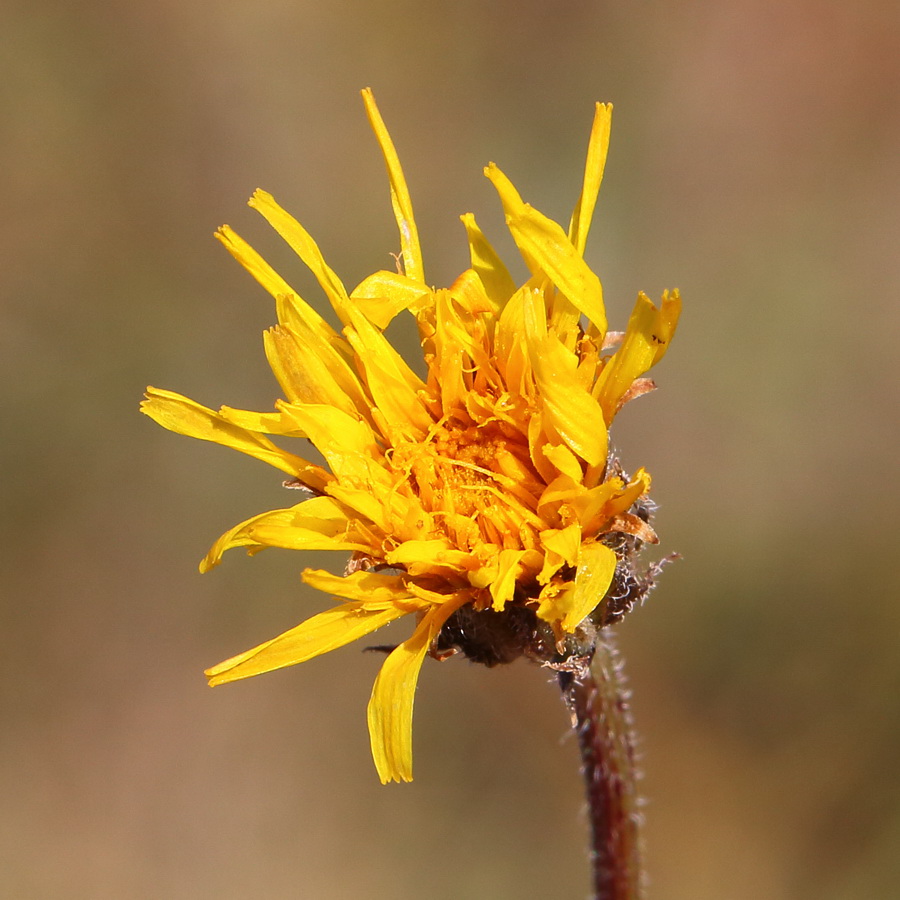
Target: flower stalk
(597, 700)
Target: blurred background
(753, 165)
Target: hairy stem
(597, 700)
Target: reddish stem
(597, 700)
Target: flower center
(478, 483)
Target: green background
(753, 165)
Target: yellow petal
(382, 295)
(593, 577)
(293, 537)
(322, 633)
(468, 292)
(290, 307)
(319, 523)
(567, 607)
(553, 562)
(648, 335)
(391, 704)
(513, 206)
(400, 199)
(537, 440)
(566, 542)
(511, 354)
(632, 359)
(373, 587)
(594, 507)
(668, 321)
(544, 241)
(347, 443)
(562, 489)
(264, 423)
(328, 365)
(598, 146)
(637, 487)
(300, 241)
(393, 385)
(307, 377)
(498, 283)
(239, 536)
(419, 557)
(571, 409)
(351, 450)
(450, 345)
(369, 506)
(546, 249)
(564, 460)
(504, 584)
(179, 414)
(255, 264)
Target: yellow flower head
(481, 501)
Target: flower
(482, 500)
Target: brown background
(753, 165)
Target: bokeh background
(753, 165)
